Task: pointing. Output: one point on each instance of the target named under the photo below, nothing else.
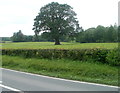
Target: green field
(50, 45)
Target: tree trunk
(57, 42)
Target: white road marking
(10, 88)
(0, 81)
(62, 79)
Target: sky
(19, 14)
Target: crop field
(50, 45)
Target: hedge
(101, 55)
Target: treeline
(100, 34)
(20, 37)
(5, 38)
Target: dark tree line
(20, 37)
(100, 34)
(5, 38)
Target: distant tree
(28, 38)
(35, 38)
(110, 34)
(90, 35)
(80, 37)
(57, 19)
(118, 37)
(100, 33)
(6, 39)
(115, 35)
(18, 37)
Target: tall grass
(77, 70)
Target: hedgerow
(113, 57)
(101, 55)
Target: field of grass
(50, 45)
(64, 68)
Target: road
(20, 81)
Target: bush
(100, 55)
(113, 57)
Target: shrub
(100, 55)
(113, 57)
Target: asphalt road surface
(20, 81)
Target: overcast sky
(19, 14)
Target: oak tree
(57, 19)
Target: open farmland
(50, 45)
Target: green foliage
(99, 34)
(101, 55)
(81, 54)
(73, 51)
(57, 19)
(18, 37)
(65, 68)
(5, 38)
(28, 38)
(46, 36)
(113, 57)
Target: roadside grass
(50, 45)
(88, 71)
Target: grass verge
(64, 68)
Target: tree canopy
(18, 36)
(57, 19)
(100, 34)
